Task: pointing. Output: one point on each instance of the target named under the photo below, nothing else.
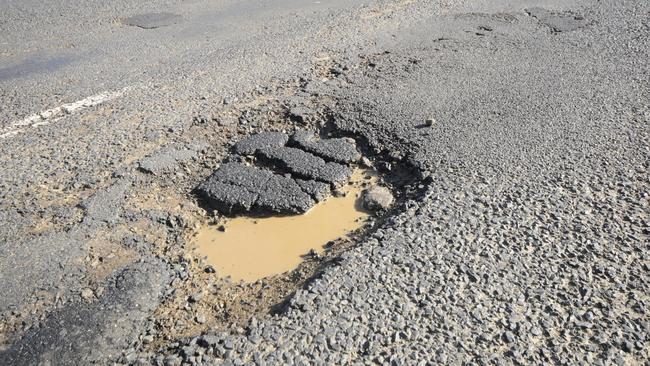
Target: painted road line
(45, 117)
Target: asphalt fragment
(282, 195)
(225, 197)
(287, 180)
(165, 160)
(339, 150)
(304, 165)
(317, 190)
(251, 144)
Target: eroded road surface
(510, 225)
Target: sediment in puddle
(253, 248)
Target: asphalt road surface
(517, 135)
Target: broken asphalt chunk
(251, 144)
(283, 195)
(338, 150)
(226, 198)
(288, 180)
(304, 165)
(238, 188)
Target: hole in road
(278, 196)
(249, 248)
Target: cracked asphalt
(520, 128)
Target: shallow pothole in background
(250, 248)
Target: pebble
(173, 360)
(209, 269)
(378, 198)
(87, 294)
(196, 297)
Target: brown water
(253, 248)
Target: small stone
(366, 162)
(130, 357)
(200, 319)
(209, 269)
(627, 346)
(509, 337)
(173, 361)
(378, 198)
(147, 339)
(386, 166)
(300, 114)
(313, 254)
(196, 297)
(87, 294)
(229, 100)
(226, 121)
(430, 122)
(222, 228)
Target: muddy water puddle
(253, 248)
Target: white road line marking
(42, 118)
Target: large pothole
(253, 253)
(297, 193)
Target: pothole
(290, 195)
(250, 248)
(271, 181)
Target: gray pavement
(528, 244)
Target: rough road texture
(530, 245)
(251, 144)
(132, 294)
